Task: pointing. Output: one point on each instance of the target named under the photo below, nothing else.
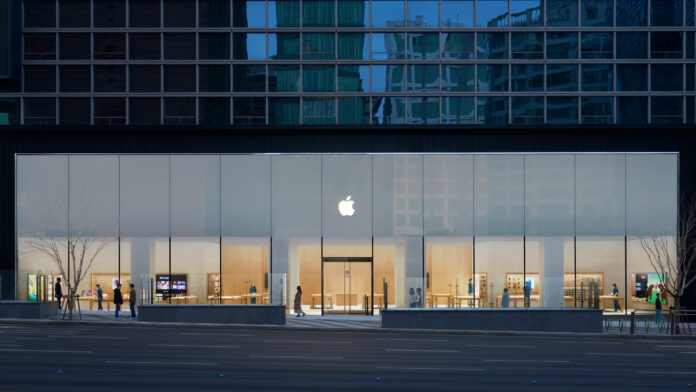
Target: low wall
(511, 319)
(27, 309)
(217, 314)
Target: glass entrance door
(347, 285)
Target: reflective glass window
(75, 13)
(423, 13)
(597, 45)
(39, 111)
(214, 78)
(109, 78)
(214, 110)
(318, 110)
(179, 111)
(75, 46)
(284, 78)
(388, 110)
(109, 46)
(145, 46)
(318, 13)
(631, 13)
(561, 45)
(284, 46)
(214, 13)
(179, 78)
(492, 110)
(249, 46)
(492, 13)
(214, 46)
(179, 46)
(594, 13)
(457, 13)
(74, 111)
(596, 77)
(353, 110)
(526, 13)
(283, 110)
(39, 46)
(631, 77)
(145, 78)
(665, 110)
(561, 110)
(145, 13)
(562, 13)
(633, 45)
(284, 13)
(354, 78)
(249, 78)
(318, 46)
(39, 78)
(690, 81)
(690, 47)
(457, 77)
(144, 111)
(666, 12)
(666, 77)
(632, 110)
(318, 78)
(492, 77)
(109, 13)
(690, 14)
(457, 46)
(10, 111)
(493, 46)
(387, 78)
(388, 13)
(562, 77)
(353, 46)
(40, 13)
(457, 110)
(109, 111)
(422, 77)
(388, 46)
(354, 13)
(75, 78)
(527, 45)
(690, 110)
(179, 13)
(527, 110)
(666, 44)
(527, 77)
(423, 110)
(596, 110)
(249, 110)
(423, 46)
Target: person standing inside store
(252, 291)
(419, 298)
(527, 294)
(505, 300)
(411, 298)
(132, 296)
(615, 293)
(100, 297)
(471, 292)
(298, 302)
(58, 293)
(658, 310)
(118, 298)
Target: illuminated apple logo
(345, 207)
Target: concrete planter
(511, 319)
(219, 314)
(27, 309)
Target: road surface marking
(291, 357)
(680, 346)
(628, 354)
(413, 340)
(661, 372)
(687, 352)
(215, 334)
(190, 345)
(306, 341)
(165, 363)
(10, 345)
(430, 368)
(420, 350)
(45, 351)
(528, 360)
(573, 342)
(497, 345)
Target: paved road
(75, 358)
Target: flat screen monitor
(175, 284)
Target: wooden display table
(225, 299)
(328, 299)
(436, 300)
(379, 298)
(470, 298)
(604, 298)
(515, 298)
(185, 298)
(247, 298)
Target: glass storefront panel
(457, 77)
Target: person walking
(298, 302)
(133, 296)
(100, 297)
(615, 293)
(658, 310)
(118, 298)
(505, 300)
(58, 293)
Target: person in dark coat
(658, 311)
(58, 292)
(118, 298)
(132, 296)
(298, 302)
(100, 297)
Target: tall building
(509, 142)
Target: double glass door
(347, 285)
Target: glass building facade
(356, 231)
(222, 62)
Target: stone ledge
(215, 314)
(28, 309)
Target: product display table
(469, 298)
(225, 299)
(605, 298)
(436, 299)
(516, 298)
(328, 298)
(184, 298)
(247, 298)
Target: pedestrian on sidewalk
(658, 310)
(133, 296)
(505, 300)
(615, 293)
(298, 302)
(58, 293)
(118, 298)
(100, 297)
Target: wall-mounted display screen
(171, 283)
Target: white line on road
(45, 351)
(628, 354)
(581, 342)
(292, 357)
(497, 345)
(420, 350)
(215, 334)
(413, 340)
(660, 372)
(306, 341)
(165, 363)
(189, 345)
(10, 345)
(528, 360)
(687, 352)
(429, 368)
(679, 346)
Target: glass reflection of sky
(255, 46)
(422, 13)
(457, 13)
(387, 13)
(491, 13)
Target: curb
(140, 324)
